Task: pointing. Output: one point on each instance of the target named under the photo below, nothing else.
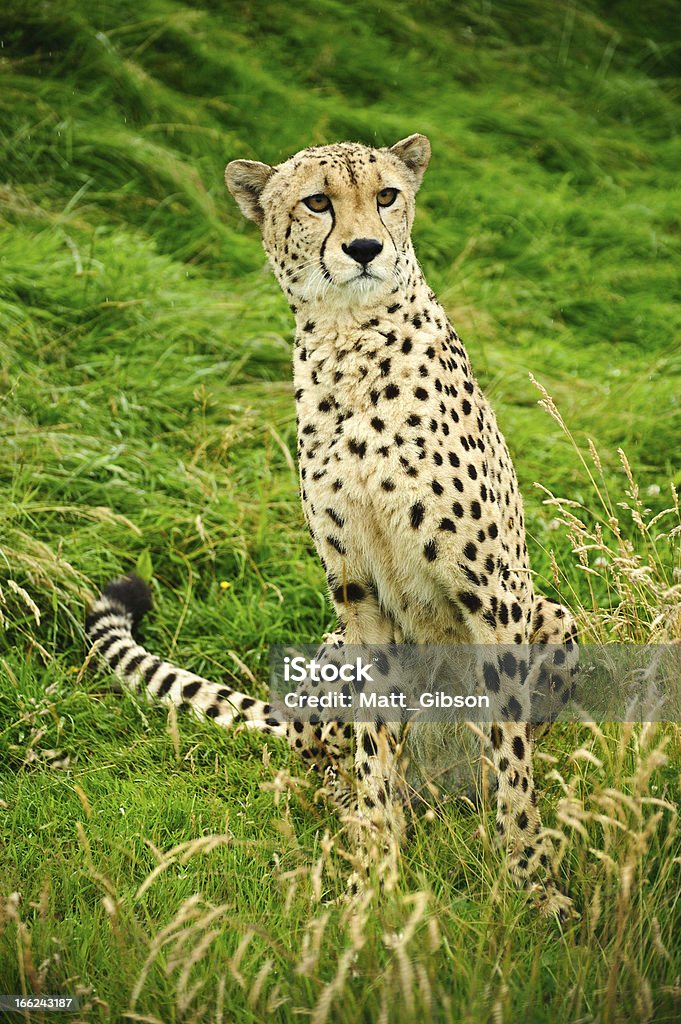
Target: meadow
(173, 872)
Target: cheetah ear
(413, 151)
(246, 179)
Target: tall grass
(167, 871)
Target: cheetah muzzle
(407, 487)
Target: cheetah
(407, 487)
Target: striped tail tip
(129, 595)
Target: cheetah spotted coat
(407, 486)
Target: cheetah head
(335, 220)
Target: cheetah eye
(387, 196)
(318, 203)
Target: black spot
(476, 511)
(472, 472)
(470, 551)
(447, 524)
(421, 394)
(509, 664)
(522, 820)
(430, 551)
(378, 424)
(387, 485)
(334, 517)
(457, 509)
(416, 514)
(514, 709)
(358, 448)
(369, 744)
(471, 601)
(392, 391)
(384, 367)
(348, 593)
(382, 664)
(491, 677)
(518, 748)
(190, 690)
(466, 406)
(336, 544)
(414, 421)
(437, 488)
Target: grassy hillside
(147, 419)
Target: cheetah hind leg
(110, 628)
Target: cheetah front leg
(504, 673)
(529, 851)
(378, 825)
(555, 659)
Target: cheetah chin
(408, 490)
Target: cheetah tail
(110, 627)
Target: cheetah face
(335, 220)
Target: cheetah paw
(551, 902)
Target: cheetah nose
(363, 250)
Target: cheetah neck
(350, 353)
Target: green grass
(146, 415)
